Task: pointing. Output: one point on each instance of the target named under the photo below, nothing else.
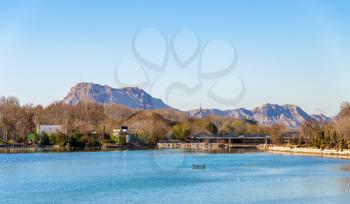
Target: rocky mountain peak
(132, 97)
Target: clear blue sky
(294, 52)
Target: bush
(59, 139)
(75, 140)
(106, 141)
(121, 140)
(300, 142)
(11, 142)
(212, 128)
(181, 131)
(90, 140)
(341, 144)
(44, 139)
(332, 145)
(317, 143)
(32, 137)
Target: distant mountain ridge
(290, 115)
(268, 114)
(131, 97)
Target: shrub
(44, 139)
(32, 137)
(341, 144)
(212, 128)
(90, 140)
(121, 140)
(181, 131)
(59, 139)
(317, 143)
(11, 142)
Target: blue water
(166, 176)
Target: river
(166, 176)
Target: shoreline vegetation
(90, 126)
(22, 148)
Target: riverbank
(343, 154)
(19, 148)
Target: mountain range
(131, 97)
(268, 114)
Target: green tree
(181, 131)
(32, 137)
(44, 139)
(341, 144)
(121, 140)
(228, 128)
(212, 128)
(59, 139)
(317, 143)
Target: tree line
(92, 124)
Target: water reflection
(344, 167)
(233, 150)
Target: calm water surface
(166, 176)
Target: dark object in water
(198, 166)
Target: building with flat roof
(50, 129)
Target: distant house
(124, 133)
(50, 129)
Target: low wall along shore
(202, 146)
(306, 151)
(344, 154)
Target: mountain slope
(131, 97)
(290, 115)
(268, 114)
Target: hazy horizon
(290, 52)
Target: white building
(122, 131)
(50, 129)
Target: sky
(213, 54)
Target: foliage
(18, 122)
(11, 142)
(341, 144)
(181, 131)
(32, 137)
(277, 131)
(212, 128)
(121, 140)
(59, 139)
(44, 139)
